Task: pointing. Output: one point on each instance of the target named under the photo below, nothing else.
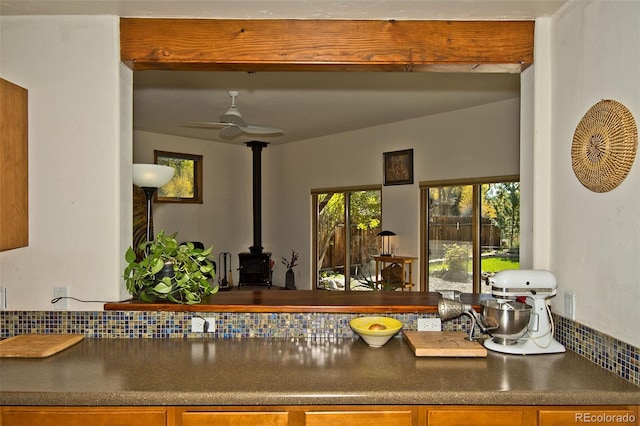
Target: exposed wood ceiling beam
(326, 45)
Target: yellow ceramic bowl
(375, 337)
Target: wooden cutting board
(37, 345)
(443, 344)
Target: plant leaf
(162, 288)
(130, 255)
(157, 266)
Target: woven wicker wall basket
(604, 146)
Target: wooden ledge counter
(292, 301)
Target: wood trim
(316, 191)
(326, 45)
(81, 416)
(424, 240)
(469, 181)
(303, 301)
(475, 238)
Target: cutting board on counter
(443, 344)
(37, 345)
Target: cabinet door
(78, 416)
(358, 418)
(235, 418)
(462, 417)
(14, 171)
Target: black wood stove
(255, 266)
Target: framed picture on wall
(398, 167)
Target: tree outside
(181, 186)
(504, 199)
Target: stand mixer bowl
(510, 318)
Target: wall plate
(429, 324)
(199, 324)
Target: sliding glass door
(346, 224)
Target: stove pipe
(256, 147)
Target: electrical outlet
(198, 325)
(3, 298)
(570, 305)
(63, 303)
(429, 324)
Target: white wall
(224, 218)
(487, 145)
(71, 68)
(595, 238)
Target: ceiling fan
(232, 124)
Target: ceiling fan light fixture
(232, 115)
(230, 131)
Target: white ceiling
(304, 104)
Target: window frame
(476, 218)
(197, 177)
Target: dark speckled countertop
(286, 372)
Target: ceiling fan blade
(258, 129)
(205, 124)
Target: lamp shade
(152, 175)
(386, 233)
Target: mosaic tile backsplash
(609, 353)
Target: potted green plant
(170, 271)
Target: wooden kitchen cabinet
(14, 169)
(298, 416)
(481, 416)
(85, 416)
(602, 416)
(359, 418)
(235, 418)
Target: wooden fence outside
(443, 230)
(448, 230)
(364, 245)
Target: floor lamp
(150, 177)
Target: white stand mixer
(536, 286)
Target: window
(186, 185)
(346, 223)
(470, 229)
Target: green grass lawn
(494, 264)
(489, 264)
